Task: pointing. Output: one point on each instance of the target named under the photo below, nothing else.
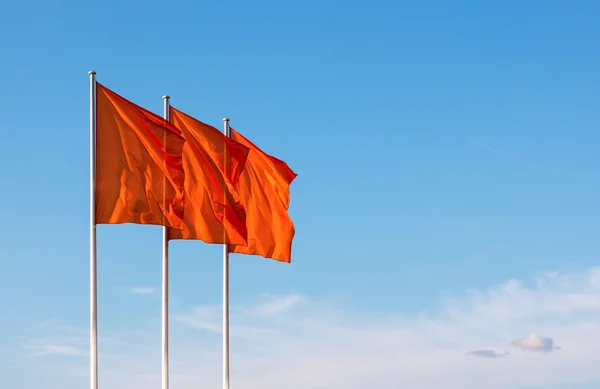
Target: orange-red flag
(139, 170)
(264, 189)
(212, 164)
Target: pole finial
(225, 119)
(92, 73)
(166, 97)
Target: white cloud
(56, 346)
(294, 342)
(202, 318)
(535, 342)
(277, 304)
(57, 349)
(143, 291)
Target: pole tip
(225, 119)
(166, 97)
(92, 73)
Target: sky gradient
(446, 204)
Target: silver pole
(165, 289)
(226, 294)
(93, 267)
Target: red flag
(264, 191)
(139, 170)
(212, 164)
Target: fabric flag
(212, 164)
(139, 169)
(264, 191)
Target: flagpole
(165, 288)
(93, 267)
(226, 293)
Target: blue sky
(443, 152)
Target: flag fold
(139, 168)
(264, 192)
(213, 164)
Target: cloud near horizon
(295, 342)
(488, 354)
(535, 342)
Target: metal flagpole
(165, 289)
(226, 293)
(93, 267)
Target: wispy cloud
(295, 342)
(202, 318)
(58, 346)
(487, 354)
(499, 153)
(491, 149)
(56, 349)
(274, 305)
(142, 291)
(517, 160)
